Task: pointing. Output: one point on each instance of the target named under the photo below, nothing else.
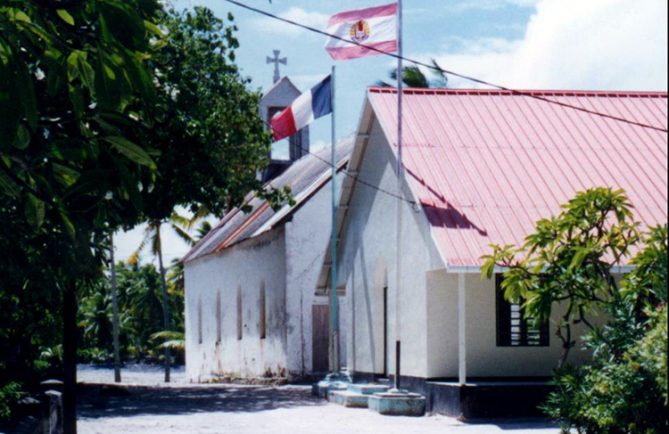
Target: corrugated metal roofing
(305, 177)
(486, 165)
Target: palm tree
(172, 339)
(115, 324)
(413, 76)
(179, 224)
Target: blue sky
(525, 44)
(428, 29)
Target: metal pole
(333, 241)
(400, 175)
(115, 323)
(462, 333)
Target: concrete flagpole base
(357, 395)
(397, 403)
(334, 381)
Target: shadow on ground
(515, 424)
(113, 401)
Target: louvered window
(513, 330)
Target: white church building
(251, 308)
(481, 167)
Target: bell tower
(280, 96)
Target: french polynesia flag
(363, 32)
(309, 106)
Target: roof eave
(476, 269)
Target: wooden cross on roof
(276, 60)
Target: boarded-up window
(199, 320)
(513, 330)
(263, 309)
(239, 313)
(219, 332)
(320, 337)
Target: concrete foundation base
(397, 404)
(367, 389)
(332, 383)
(356, 395)
(324, 388)
(489, 398)
(348, 399)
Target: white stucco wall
(429, 297)
(484, 357)
(307, 236)
(368, 260)
(248, 266)
(287, 260)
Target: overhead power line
(346, 172)
(361, 181)
(447, 71)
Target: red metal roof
(486, 165)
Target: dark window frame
(219, 326)
(513, 330)
(240, 324)
(199, 320)
(262, 302)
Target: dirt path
(200, 409)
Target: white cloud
(299, 15)
(490, 5)
(597, 44)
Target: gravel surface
(149, 406)
(132, 374)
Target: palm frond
(183, 235)
(178, 219)
(412, 76)
(382, 83)
(203, 229)
(441, 79)
(174, 340)
(167, 334)
(174, 345)
(201, 212)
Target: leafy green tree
(75, 94)
(570, 261)
(624, 388)
(211, 139)
(89, 143)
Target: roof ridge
(522, 92)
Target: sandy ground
(151, 407)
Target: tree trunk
(115, 323)
(166, 313)
(70, 358)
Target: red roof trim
(523, 92)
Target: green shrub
(10, 393)
(626, 394)
(624, 388)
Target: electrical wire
(346, 172)
(450, 72)
(363, 182)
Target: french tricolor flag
(309, 106)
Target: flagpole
(333, 267)
(400, 173)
